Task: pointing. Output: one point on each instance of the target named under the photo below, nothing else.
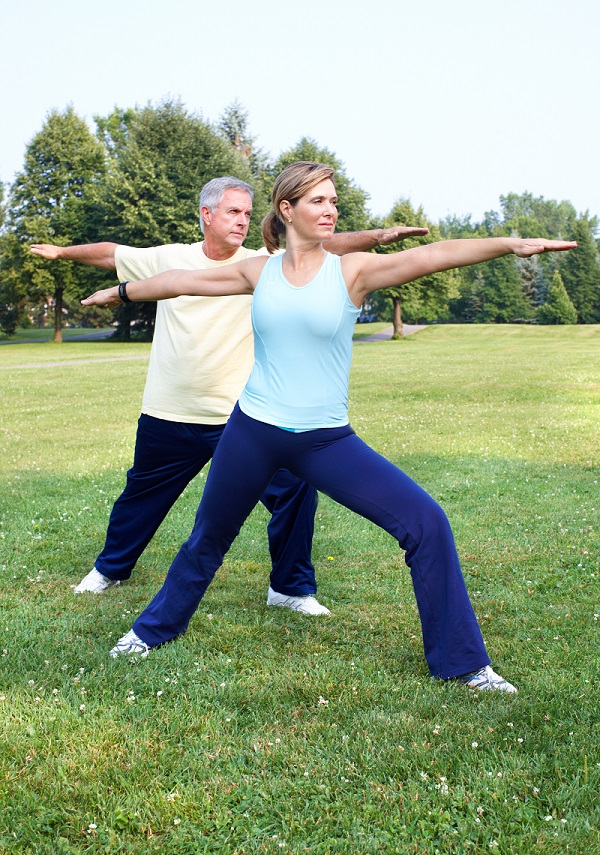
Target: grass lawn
(263, 731)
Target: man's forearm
(342, 243)
(95, 254)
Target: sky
(450, 103)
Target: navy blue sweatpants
(341, 465)
(167, 456)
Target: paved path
(68, 362)
(387, 333)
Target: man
(200, 359)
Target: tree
(580, 271)
(558, 308)
(352, 204)
(233, 126)
(425, 299)
(160, 157)
(47, 204)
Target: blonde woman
(293, 414)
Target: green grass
(262, 731)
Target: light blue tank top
(302, 349)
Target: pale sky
(451, 103)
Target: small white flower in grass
(323, 701)
(424, 775)
(222, 685)
(536, 791)
(31, 682)
(548, 818)
(520, 740)
(474, 745)
(493, 844)
(81, 707)
(176, 821)
(92, 826)
(564, 821)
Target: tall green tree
(425, 299)
(233, 126)
(352, 204)
(47, 204)
(558, 308)
(160, 157)
(580, 271)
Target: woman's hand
(106, 297)
(526, 247)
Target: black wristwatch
(123, 292)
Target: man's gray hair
(212, 193)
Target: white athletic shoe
(308, 605)
(95, 583)
(130, 643)
(486, 680)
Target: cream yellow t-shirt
(202, 350)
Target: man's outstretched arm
(96, 254)
(342, 243)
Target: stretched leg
(292, 504)
(242, 467)
(167, 456)
(349, 471)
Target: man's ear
(205, 214)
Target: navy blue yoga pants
(341, 465)
(167, 456)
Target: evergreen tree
(558, 308)
(580, 271)
(234, 127)
(501, 296)
(63, 163)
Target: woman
(292, 414)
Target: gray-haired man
(201, 357)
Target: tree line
(136, 180)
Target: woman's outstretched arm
(365, 273)
(232, 279)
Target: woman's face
(315, 214)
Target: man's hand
(95, 254)
(46, 250)
(396, 233)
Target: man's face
(227, 224)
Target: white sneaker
(95, 583)
(308, 605)
(130, 643)
(486, 680)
